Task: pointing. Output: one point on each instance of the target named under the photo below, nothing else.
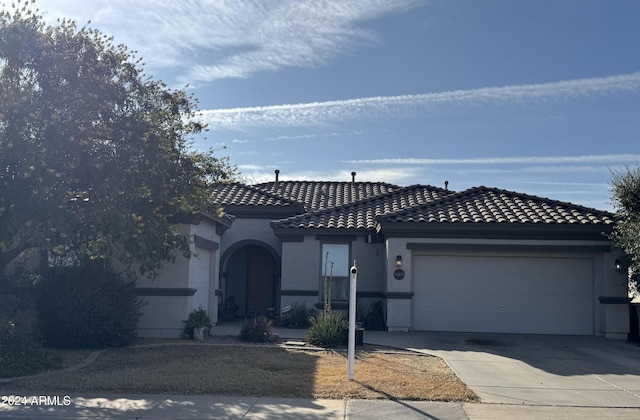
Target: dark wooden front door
(261, 282)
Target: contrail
(611, 158)
(320, 113)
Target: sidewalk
(219, 407)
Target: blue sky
(536, 96)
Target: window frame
(343, 297)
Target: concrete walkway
(516, 376)
(111, 406)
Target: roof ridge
(272, 195)
(546, 199)
(329, 182)
(321, 195)
(251, 189)
(479, 189)
(364, 202)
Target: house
(478, 260)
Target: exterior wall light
(399, 261)
(617, 265)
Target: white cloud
(301, 136)
(316, 135)
(208, 40)
(250, 168)
(321, 113)
(588, 159)
(400, 175)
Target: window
(335, 268)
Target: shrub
(198, 318)
(258, 329)
(87, 306)
(299, 316)
(21, 351)
(328, 329)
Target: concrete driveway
(571, 371)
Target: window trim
(328, 240)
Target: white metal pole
(353, 281)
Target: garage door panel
(505, 307)
(503, 294)
(498, 322)
(504, 303)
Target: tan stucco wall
(302, 268)
(301, 264)
(163, 315)
(249, 229)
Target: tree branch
(7, 256)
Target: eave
(535, 231)
(263, 212)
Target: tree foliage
(87, 306)
(95, 157)
(626, 201)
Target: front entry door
(260, 280)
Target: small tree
(95, 157)
(626, 233)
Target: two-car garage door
(504, 294)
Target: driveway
(572, 371)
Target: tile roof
(318, 195)
(362, 214)
(237, 194)
(365, 205)
(492, 205)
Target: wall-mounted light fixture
(617, 265)
(399, 261)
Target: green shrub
(328, 329)
(87, 306)
(198, 318)
(299, 316)
(258, 329)
(21, 351)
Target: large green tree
(95, 157)
(626, 201)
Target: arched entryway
(250, 276)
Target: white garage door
(503, 294)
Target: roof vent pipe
(353, 177)
(277, 171)
(446, 185)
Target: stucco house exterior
(478, 260)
